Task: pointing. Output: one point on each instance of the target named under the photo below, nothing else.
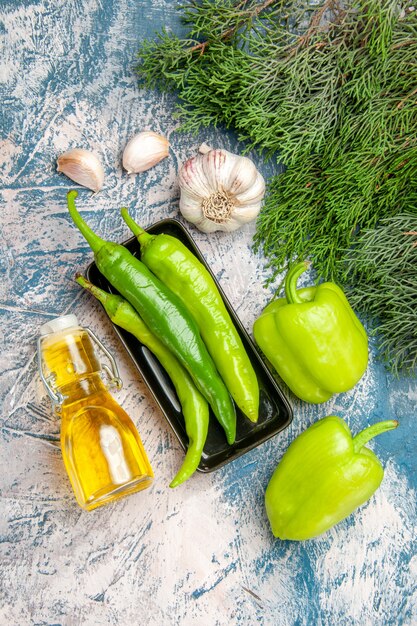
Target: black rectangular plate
(275, 413)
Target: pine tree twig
(314, 26)
(383, 281)
(412, 233)
(250, 14)
(407, 97)
(403, 44)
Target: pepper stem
(141, 234)
(293, 275)
(94, 241)
(369, 433)
(110, 302)
(96, 291)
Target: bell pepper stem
(369, 433)
(293, 275)
(93, 240)
(141, 234)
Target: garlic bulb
(144, 151)
(220, 190)
(83, 167)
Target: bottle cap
(59, 323)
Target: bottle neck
(70, 364)
(81, 388)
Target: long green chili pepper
(194, 406)
(178, 268)
(165, 315)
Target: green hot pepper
(194, 406)
(164, 314)
(182, 272)
(313, 339)
(322, 478)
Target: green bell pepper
(313, 339)
(324, 475)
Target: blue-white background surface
(203, 553)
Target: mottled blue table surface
(202, 554)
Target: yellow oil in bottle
(102, 451)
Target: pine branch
(246, 15)
(382, 280)
(327, 89)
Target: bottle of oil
(102, 450)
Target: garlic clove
(83, 167)
(242, 177)
(190, 206)
(217, 167)
(143, 151)
(246, 213)
(230, 226)
(192, 178)
(254, 193)
(207, 226)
